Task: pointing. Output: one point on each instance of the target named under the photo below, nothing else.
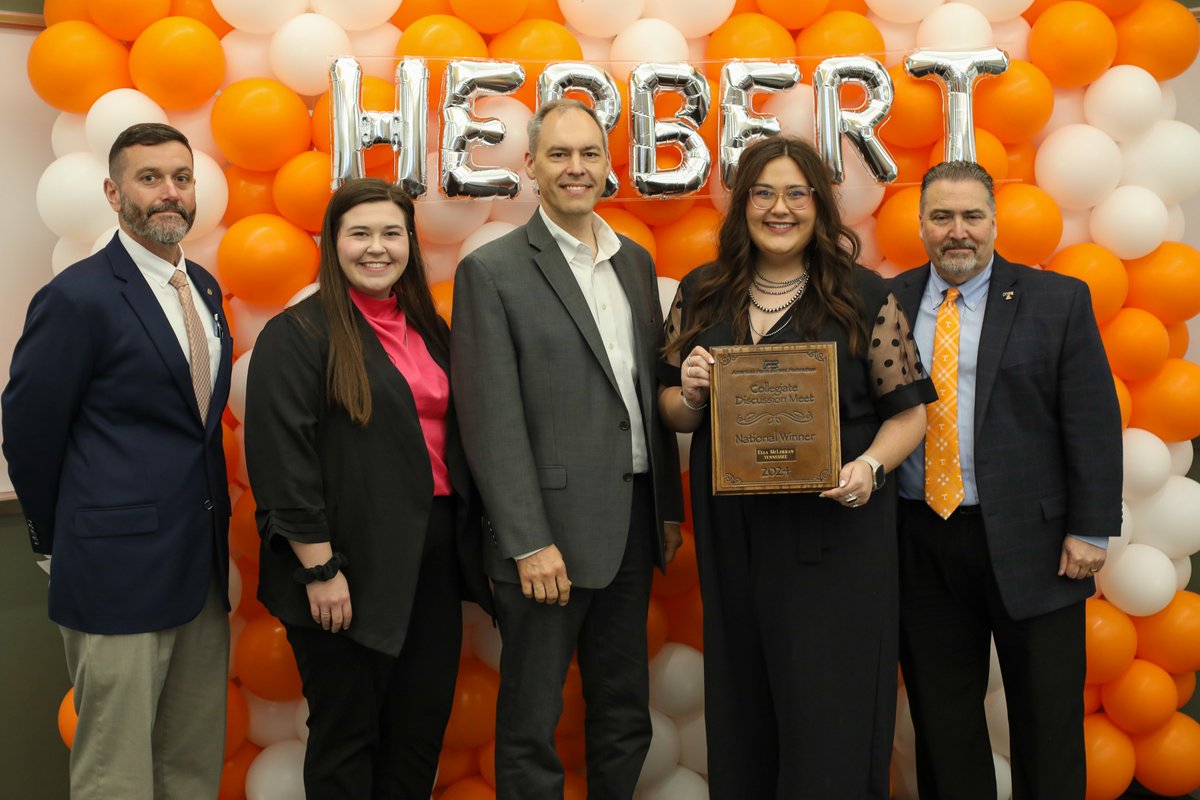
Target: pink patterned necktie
(197, 343)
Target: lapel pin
(1008, 295)
(210, 292)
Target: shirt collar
(972, 291)
(154, 268)
(607, 243)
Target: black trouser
(376, 722)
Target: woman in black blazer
(369, 525)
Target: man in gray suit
(1002, 525)
(556, 333)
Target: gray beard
(165, 231)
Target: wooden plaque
(775, 421)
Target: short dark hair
(144, 134)
(534, 128)
(959, 172)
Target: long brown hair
(830, 256)
(345, 372)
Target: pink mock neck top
(429, 384)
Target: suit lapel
(1002, 304)
(909, 288)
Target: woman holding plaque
(370, 535)
(800, 589)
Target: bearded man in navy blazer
(112, 431)
(1006, 544)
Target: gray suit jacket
(543, 424)
(1047, 430)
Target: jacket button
(624, 424)
(627, 477)
(208, 505)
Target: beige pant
(151, 709)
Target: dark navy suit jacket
(118, 477)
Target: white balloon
(236, 626)
(67, 252)
(1147, 463)
(999, 10)
(103, 239)
(859, 194)
(247, 55)
(693, 18)
(356, 15)
(1183, 571)
(303, 49)
(235, 585)
(693, 743)
(242, 474)
(70, 197)
(375, 50)
(203, 249)
(796, 111)
(904, 776)
(646, 40)
(67, 135)
(903, 10)
(899, 38)
(301, 720)
(486, 642)
(212, 195)
(1078, 165)
(996, 711)
(248, 321)
(1077, 227)
(277, 773)
(663, 755)
(444, 221)
(303, 294)
(667, 289)
(889, 269)
(956, 26)
(270, 722)
(1165, 159)
(1012, 36)
(1170, 519)
(1004, 783)
(681, 784)
(869, 254)
(698, 49)
(259, 16)
(1176, 223)
(601, 19)
(1123, 102)
(1130, 222)
(115, 111)
(196, 125)
(1068, 110)
(595, 49)
(1170, 102)
(519, 209)
(510, 152)
(237, 386)
(677, 680)
(684, 442)
(441, 261)
(1140, 581)
(1117, 544)
(472, 614)
(995, 677)
(1182, 454)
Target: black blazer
(1047, 430)
(317, 476)
(117, 475)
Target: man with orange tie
(1006, 510)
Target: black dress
(800, 593)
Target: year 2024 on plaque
(775, 418)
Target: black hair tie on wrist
(321, 572)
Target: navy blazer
(1047, 430)
(118, 477)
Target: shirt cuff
(1097, 541)
(530, 553)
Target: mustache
(963, 245)
(176, 207)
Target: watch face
(880, 475)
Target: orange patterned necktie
(197, 343)
(943, 472)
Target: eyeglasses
(796, 198)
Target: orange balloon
(1168, 403)
(249, 193)
(911, 165)
(249, 607)
(656, 627)
(1124, 400)
(989, 154)
(744, 7)
(455, 764)
(667, 104)
(1136, 344)
(687, 243)
(574, 708)
(443, 298)
(1029, 223)
(653, 210)
(1115, 8)
(71, 64)
(126, 19)
(56, 11)
(790, 14)
(836, 33)
(544, 9)
(1021, 157)
(473, 717)
(472, 788)
(628, 225)
(916, 116)
(488, 16)
(534, 43)
(229, 442)
(1160, 36)
(258, 123)
(1141, 699)
(1111, 641)
(857, 6)
(1110, 758)
(1102, 271)
(264, 259)
(1185, 687)
(202, 10)
(1177, 332)
(1171, 638)
(237, 719)
(574, 786)
(302, 189)
(682, 573)
(233, 774)
(685, 618)
(572, 751)
(1091, 698)
(1016, 104)
(1166, 759)
(68, 720)
(377, 95)
(412, 10)
(1166, 282)
(177, 62)
(1073, 43)
(898, 229)
(1035, 10)
(263, 661)
(753, 36)
(243, 530)
(487, 763)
